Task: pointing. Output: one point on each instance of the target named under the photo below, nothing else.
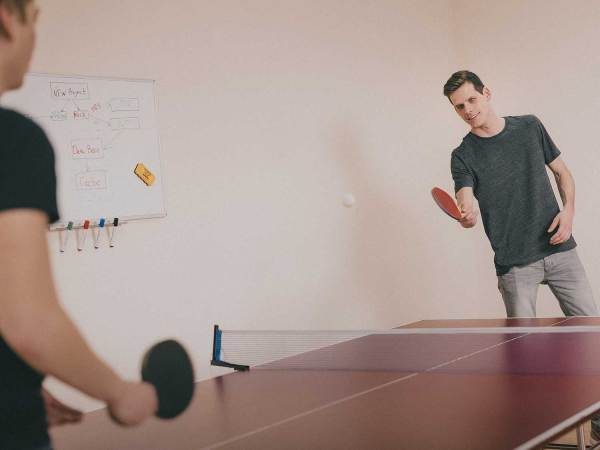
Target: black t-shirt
(509, 179)
(27, 180)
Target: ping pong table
(455, 390)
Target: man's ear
(7, 22)
(487, 93)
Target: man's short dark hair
(17, 6)
(459, 78)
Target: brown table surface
(450, 391)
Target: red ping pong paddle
(446, 203)
(168, 367)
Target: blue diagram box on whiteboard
(100, 128)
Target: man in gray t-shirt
(507, 174)
(502, 162)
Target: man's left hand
(564, 222)
(58, 413)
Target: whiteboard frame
(60, 225)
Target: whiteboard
(100, 129)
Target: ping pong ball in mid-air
(348, 200)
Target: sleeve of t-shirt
(460, 173)
(551, 151)
(27, 175)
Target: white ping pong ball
(348, 200)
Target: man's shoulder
(458, 150)
(463, 149)
(525, 120)
(12, 119)
(16, 128)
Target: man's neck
(3, 81)
(491, 127)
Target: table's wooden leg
(580, 437)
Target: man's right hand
(468, 218)
(134, 403)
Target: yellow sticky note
(144, 173)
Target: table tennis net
(340, 349)
(241, 350)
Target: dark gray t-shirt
(508, 175)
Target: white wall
(271, 111)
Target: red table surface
(466, 404)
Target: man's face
(22, 43)
(472, 106)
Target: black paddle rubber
(168, 367)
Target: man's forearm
(566, 189)
(48, 341)
(32, 321)
(464, 199)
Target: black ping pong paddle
(168, 367)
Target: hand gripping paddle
(446, 203)
(168, 367)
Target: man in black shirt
(36, 336)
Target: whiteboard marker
(86, 226)
(112, 235)
(97, 233)
(67, 230)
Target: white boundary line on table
(432, 331)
